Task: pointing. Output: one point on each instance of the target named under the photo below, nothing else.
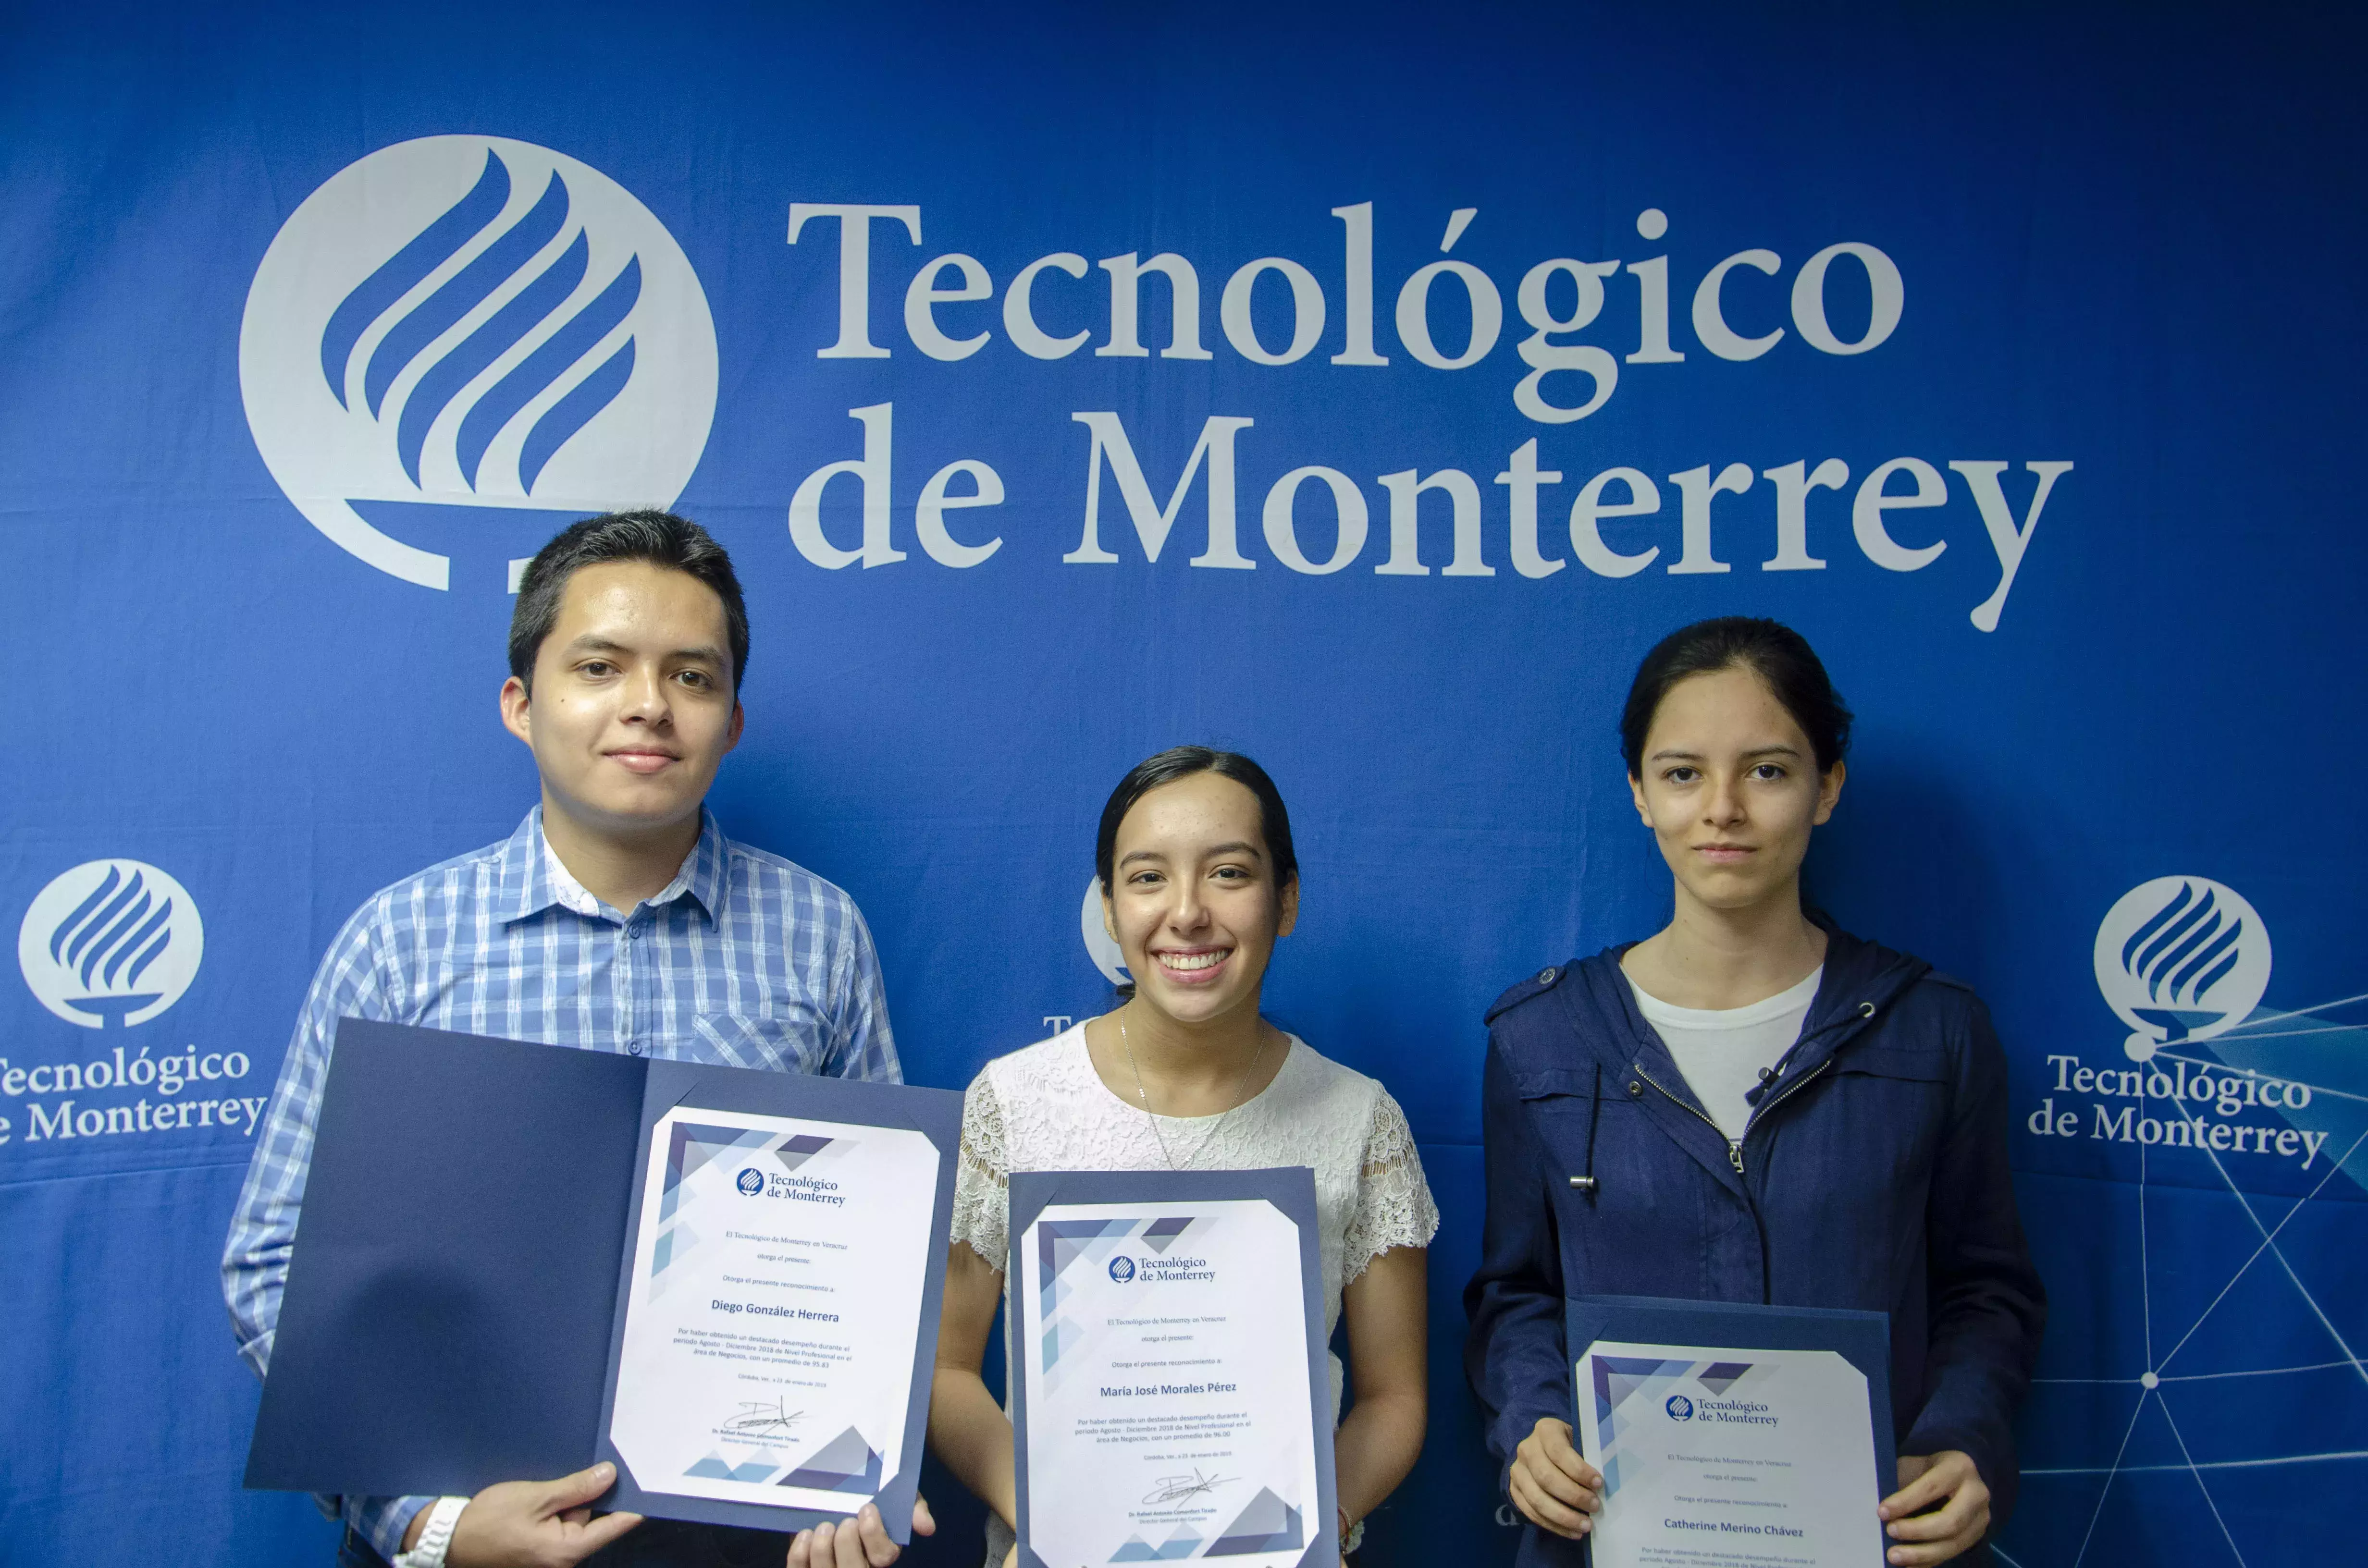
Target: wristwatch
(435, 1536)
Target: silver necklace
(1215, 1123)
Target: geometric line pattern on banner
(2153, 1384)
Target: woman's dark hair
(1182, 762)
(659, 538)
(1779, 656)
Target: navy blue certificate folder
(452, 1300)
(1864, 1339)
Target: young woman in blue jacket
(1752, 1105)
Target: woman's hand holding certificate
(1552, 1484)
(1947, 1484)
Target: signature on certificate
(758, 1419)
(1176, 1488)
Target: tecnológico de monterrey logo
(110, 943)
(2181, 959)
(471, 322)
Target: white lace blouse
(1045, 1109)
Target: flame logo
(2185, 949)
(535, 307)
(2181, 959)
(455, 330)
(110, 943)
(112, 937)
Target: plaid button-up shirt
(743, 961)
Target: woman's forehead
(1732, 704)
(1199, 809)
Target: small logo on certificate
(1122, 1268)
(751, 1182)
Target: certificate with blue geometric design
(775, 1299)
(1732, 1456)
(1163, 1398)
(725, 1282)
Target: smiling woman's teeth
(1190, 961)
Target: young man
(618, 918)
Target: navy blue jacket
(1872, 1174)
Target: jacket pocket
(1560, 1104)
(1904, 1064)
(1547, 1082)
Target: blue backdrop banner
(1366, 389)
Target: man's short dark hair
(659, 538)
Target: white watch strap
(435, 1535)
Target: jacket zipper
(1735, 1152)
(1734, 1146)
(1790, 1090)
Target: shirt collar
(533, 880)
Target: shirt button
(1545, 977)
(634, 932)
(634, 1049)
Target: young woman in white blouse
(1199, 880)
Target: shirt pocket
(772, 1044)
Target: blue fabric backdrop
(313, 318)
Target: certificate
(522, 1259)
(1171, 1399)
(1758, 1448)
(776, 1319)
(774, 1304)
